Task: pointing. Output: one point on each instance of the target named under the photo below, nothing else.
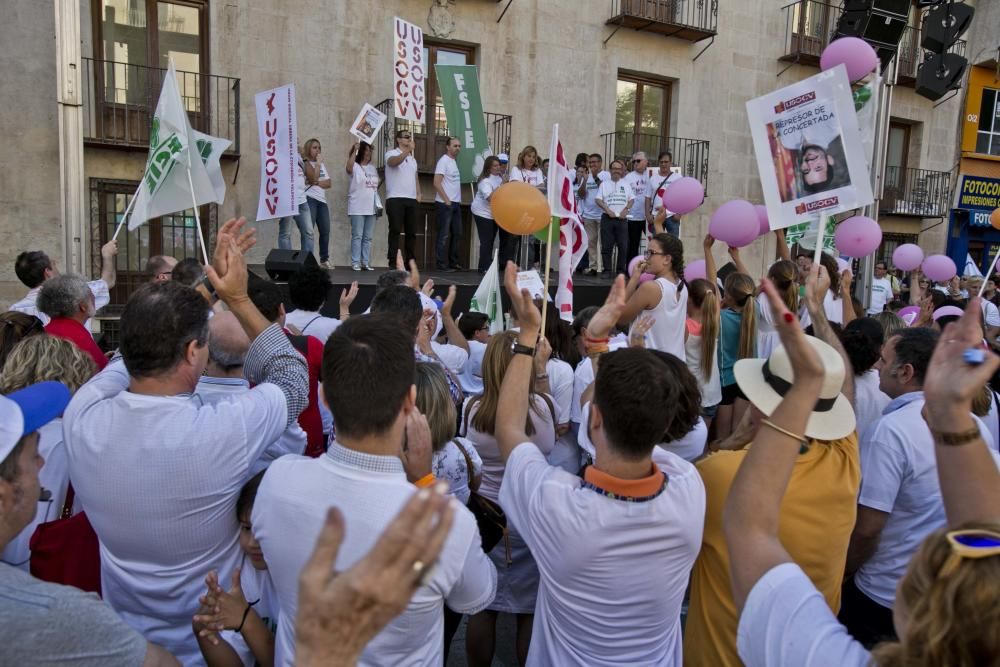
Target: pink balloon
(907, 256)
(735, 223)
(947, 311)
(695, 270)
(855, 54)
(765, 224)
(939, 268)
(858, 236)
(909, 310)
(634, 262)
(684, 195)
(646, 277)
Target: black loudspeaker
(900, 8)
(874, 27)
(281, 264)
(944, 24)
(939, 74)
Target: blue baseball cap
(27, 410)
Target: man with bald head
(223, 381)
(638, 181)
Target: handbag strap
(303, 329)
(468, 461)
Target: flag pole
(820, 229)
(197, 219)
(128, 210)
(989, 273)
(548, 267)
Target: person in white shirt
(362, 200)
(664, 299)
(318, 181)
(34, 267)
(862, 340)
(991, 315)
(657, 215)
(900, 499)
(881, 294)
(636, 216)
(482, 213)
(308, 290)
(368, 473)
(475, 327)
(614, 197)
(527, 169)
(223, 380)
(597, 539)
(157, 471)
(303, 219)
(590, 211)
(448, 208)
(402, 196)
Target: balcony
(692, 20)
(919, 193)
(691, 155)
(119, 100)
(429, 138)
(808, 27)
(912, 55)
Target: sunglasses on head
(969, 544)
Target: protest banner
(463, 106)
(368, 123)
(572, 235)
(809, 150)
(409, 72)
(279, 153)
(487, 299)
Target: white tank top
(711, 391)
(667, 333)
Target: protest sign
(279, 154)
(409, 72)
(531, 281)
(463, 106)
(809, 151)
(368, 123)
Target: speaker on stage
(281, 264)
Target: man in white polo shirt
(34, 267)
(368, 365)
(615, 548)
(158, 471)
(402, 195)
(448, 208)
(900, 499)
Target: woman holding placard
(317, 183)
(362, 200)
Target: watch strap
(517, 348)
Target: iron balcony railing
(693, 20)
(808, 27)
(920, 193)
(120, 98)
(429, 137)
(691, 155)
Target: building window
(642, 113)
(988, 136)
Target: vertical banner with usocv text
(809, 150)
(409, 72)
(279, 140)
(463, 106)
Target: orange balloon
(520, 208)
(995, 218)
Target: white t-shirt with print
(449, 464)
(657, 188)
(452, 186)
(361, 193)
(533, 177)
(401, 180)
(640, 187)
(881, 295)
(588, 206)
(615, 195)
(315, 191)
(256, 585)
(484, 190)
(471, 377)
(300, 184)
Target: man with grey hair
(68, 301)
(636, 216)
(223, 381)
(159, 267)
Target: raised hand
(449, 301)
(414, 275)
(109, 250)
(231, 285)
(637, 333)
(817, 284)
(543, 352)
(605, 319)
(400, 264)
(348, 295)
(425, 331)
(807, 367)
(525, 310)
(417, 449)
(428, 287)
(232, 229)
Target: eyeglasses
(969, 544)
(485, 327)
(405, 136)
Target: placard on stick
(368, 123)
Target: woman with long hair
(37, 359)
(361, 204)
(700, 345)
(527, 170)
(664, 299)
(785, 276)
(737, 340)
(482, 213)
(317, 183)
(517, 574)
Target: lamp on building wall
(941, 71)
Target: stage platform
(587, 290)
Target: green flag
(804, 234)
(459, 86)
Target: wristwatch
(517, 348)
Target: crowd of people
(722, 471)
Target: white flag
(487, 299)
(572, 235)
(175, 149)
(971, 268)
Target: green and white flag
(174, 149)
(463, 106)
(804, 234)
(487, 299)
